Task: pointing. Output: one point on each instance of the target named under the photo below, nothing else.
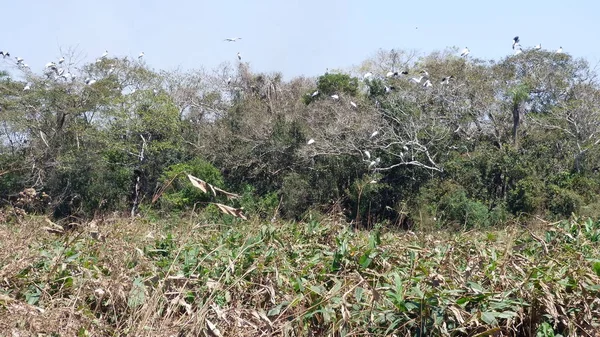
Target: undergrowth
(189, 277)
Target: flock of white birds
(57, 70)
(424, 75)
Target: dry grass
(190, 277)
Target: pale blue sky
(294, 37)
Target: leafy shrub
(527, 196)
(563, 202)
(181, 194)
(295, 193)
(261, 206)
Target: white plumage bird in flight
(232, 39)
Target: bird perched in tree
(374, 134)
(315, 93)
(353, 104)
(559, 51)
(105, 54)
(310, 141)
(141, 55)
(427, 84)
(515, 42)
(416, 80)
(447, 79)
(335, 96)
(19, 60)
(465, 52)
(61, 60)
(239, 56)
(538, 47)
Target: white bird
(559, 50)
(315, 93)
(374, 134)
(239, 56)
(27, 87)
(368, 75)
(427, 84)
(232, 39)
(50, 65)
(447, 79)
(353, 104)
(374, 162)
(465, 52)
(515, 42)
(19, 60)
(368, 154)
(155, 92)
(105, 54)
(140, 55)
(24, 65)
(416, 80)
(98, 60)
(89, 81)
(61, 60)
(424, 73)
(228, 80)
(538, 47)
(391, 73)
(310, 141)
(373, 181)
(518, 51)
(111, 69)
(335, 96)
(60, 71)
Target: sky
(293, 37)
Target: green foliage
(527, 196)
(295, 195)
(563, 202)
(330, 84)
(181, 194)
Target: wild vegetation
(436, 195)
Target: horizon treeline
(403, 139)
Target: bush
(181, 194)
(526, 197)
(263, 207)
(295, 194)
(563, 202)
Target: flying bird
(232, 39)
(19, 60)
(310, 141)
(4, 54)
(239, 56)
(416, 80)
(559, 51)
(515, 42)
(465, 52)
(140, 55)
(538, 47)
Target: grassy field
(193, 277)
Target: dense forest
(403, 139)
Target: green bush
(526, 197)
(295, 193)
(181, 194)
(261, 206)
(563, 202)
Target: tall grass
(190, 276)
